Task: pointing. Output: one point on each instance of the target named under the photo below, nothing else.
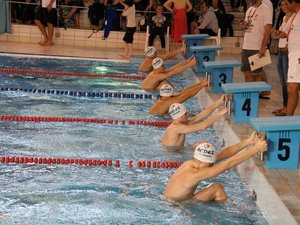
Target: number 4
(247, 106)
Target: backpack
(96, 13)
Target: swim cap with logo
(150, 51)
(157, 62)
(166, 90)
(205, 152)
(176, 110)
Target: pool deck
(286, 183)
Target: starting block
(221, 72)
(283, 136)
(193, 40)
(245, 98)
(203, 54)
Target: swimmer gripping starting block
(205, 54)
(193, 40)
(221, 72)
(283, 135)
(245, 98)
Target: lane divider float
(78, 93)
(168, 164)
(74, 74)
(82, 120)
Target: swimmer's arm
(237, 159)
(177, 70)
(142, 68)
(171, 54)
(234, 149)
(184, 62)
(168, 4)
(190, 91)
(208, 110)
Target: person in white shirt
(257, 26)
(283, 59)
(129, 13)
(294, 58)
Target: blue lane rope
(79, 93)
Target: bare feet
(43, 42)
(48, 43)
(126, 57)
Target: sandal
(264, 97)
(280, 114)
(276, 111)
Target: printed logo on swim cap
(157, 62)
(176, 110)
(205, 152)
(150, 51)
(166, 90)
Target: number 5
(286, 148)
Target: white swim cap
(150, 51)
(157, 62)
(205, 152)
(166, 90)
(176, 110)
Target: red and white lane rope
(62, 73)
(38, 119)
(167, 164)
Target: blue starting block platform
(245, 98)
(221, 72)
(203, 54)
(193, 40)
(283, 135)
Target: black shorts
(128, 37)
(45, 17)
(245, 62)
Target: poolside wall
(79, 38)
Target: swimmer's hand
(253, 138)
(193, 62)
(261, 145)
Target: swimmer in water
(167, 98)
(183, 183)
(159, 75)
(151, 53)
(181, 125)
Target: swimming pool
(64, 194)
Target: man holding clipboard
(257, 25)
(46, 16)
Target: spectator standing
(179, 25)
(46, 16)
(158, 27)
(110, 16)
(207, 22)
(283, 59)
(294, 58)
(257, 26)
(129, 13)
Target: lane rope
(78, 93)
(62, 73)
(167, 164)
(82, 120)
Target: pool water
(78, 194)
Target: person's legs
(161, 34)
(261, 77)
(214, 191)
(293, 98)
(42, 28)
(50, 34)
(282, 66)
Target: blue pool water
(77, 194)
